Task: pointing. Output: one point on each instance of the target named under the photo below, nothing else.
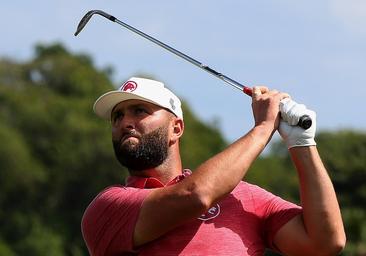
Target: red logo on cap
(129, 86)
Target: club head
(88, 16)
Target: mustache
(127, 134)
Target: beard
(150, 152)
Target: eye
(116, 116)
(140, 110)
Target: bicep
(292, 239)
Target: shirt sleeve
(109, 221)
(274, 212)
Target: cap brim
(104, 105)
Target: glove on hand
(293, 135)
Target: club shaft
(304, 122)
(213, 72)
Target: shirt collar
(141, 182)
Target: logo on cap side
(171, 101)
(129, 86)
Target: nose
(126, 122)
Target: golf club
(305, 121)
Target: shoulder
(251, 195)
(116, 192)
(116, 196)
(114, 209)
(262, 200)
(251, 190)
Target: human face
(140, 134)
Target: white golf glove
(293, 135)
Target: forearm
(167, 208)
(321, 213)
(219, 175)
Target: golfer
(164, 209)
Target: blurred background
(55, 155)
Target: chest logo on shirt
(212, 213)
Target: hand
(266, 106)
(293, 135)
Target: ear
(177, 129)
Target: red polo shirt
(243, 223)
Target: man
(166, 210)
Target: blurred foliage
(56, 155)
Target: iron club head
(88, 16)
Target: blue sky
(314, 50)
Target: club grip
(305, 122)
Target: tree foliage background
(56, 155)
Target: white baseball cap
(139, 89)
